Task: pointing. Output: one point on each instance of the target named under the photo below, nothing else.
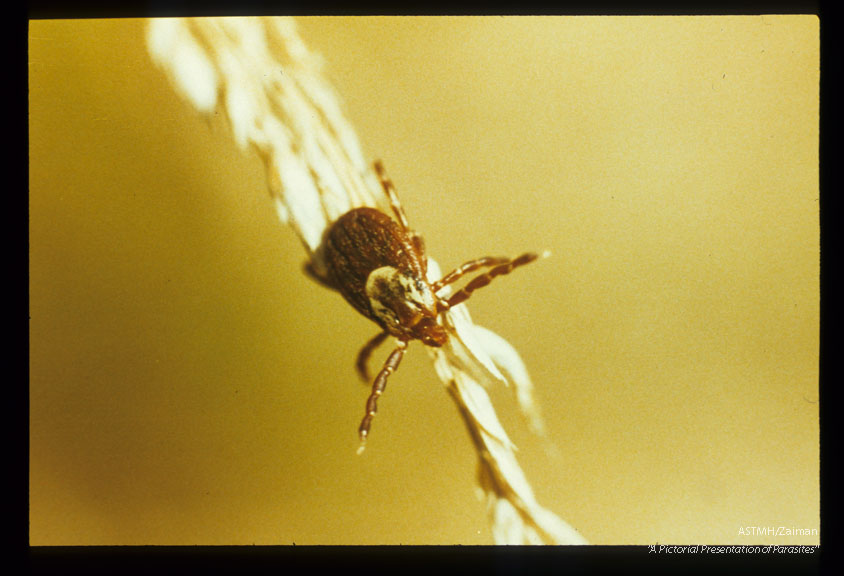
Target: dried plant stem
(260, 74)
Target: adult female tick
(380, 267)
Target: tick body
(379, 266)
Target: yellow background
(189, 385)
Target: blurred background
(189, 385)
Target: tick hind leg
(392, 195)
(499, 268)
(378, 387)
(398, 210)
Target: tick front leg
(378, 386)
(366, 352)
(470, 266)
(486, 278)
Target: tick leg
(366, 352)
(378, 386)
(392, 195)
(310, 270)
(470, 266)
(486, 278)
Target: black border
(398, 559)
(134, 8)
(466, 559)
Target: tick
(379, 266)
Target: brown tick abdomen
(361, 241)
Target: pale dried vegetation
(270, 87)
